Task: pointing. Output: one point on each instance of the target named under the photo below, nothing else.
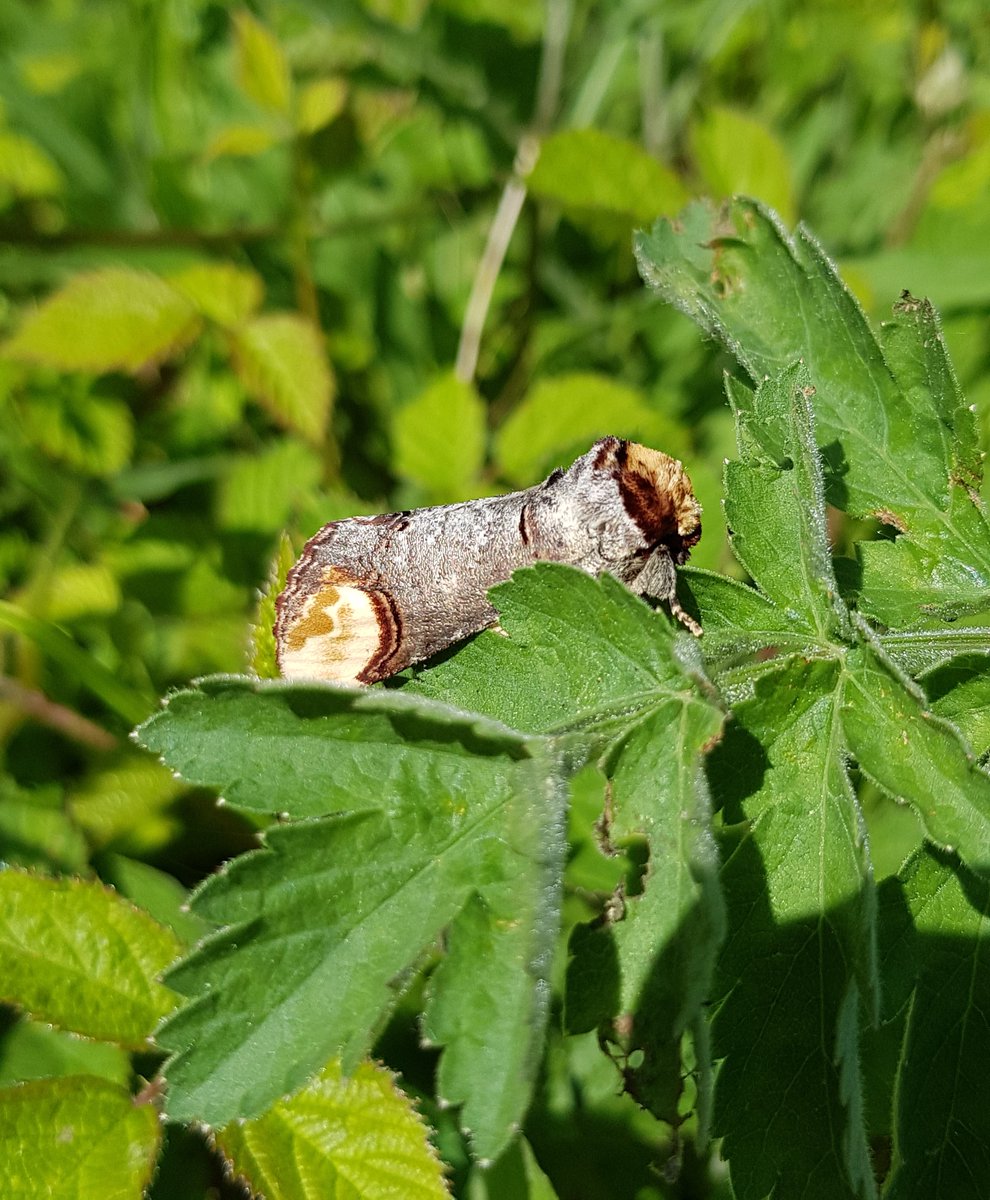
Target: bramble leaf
(897, 442)
(282, 364)
(114, 319)
(359, 1136)
(74, 953)
(75, 1137)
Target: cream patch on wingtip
(336, 636)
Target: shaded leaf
(939, 1134)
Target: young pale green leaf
(320, 102)
(262, 70)
(92, 434)
(439, 439)
(281, 362)
(739, 155)
(561, 416)
(115, 319)
(592, 170)
(75, 1138)
(453, 806)
(260, 490)
(775, 504)
(895, 441)
(74, 953)
(800, 949)
(26, 169)
(263, 662)
(220, 291)
(915, 756)
(941, 1131)
(358, 1136)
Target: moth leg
(658, 579)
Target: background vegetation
(251, 280)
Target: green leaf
(93, 434)
(665, 944)
(29, 1050)
(896, 442)
(516, 1176)
(738, 155)
(800, 950)
(26, 169)
(74, 953)
(358, 1136)
(738, 620)
(561, 416)
(442, 806)
(114, 319)
(959, 692)
(939, 1134)
(775, 504)
(592, 170)
(262, 70)
(320, 102)
(260, 490)
(220, 291)
(306, 751)
(280, 359)
(915, 756)
(263, 660)
(75, 1138)
(439, 439)
(575, 654)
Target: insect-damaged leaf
(897, 442)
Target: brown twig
(40, 708)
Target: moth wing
(337, 629)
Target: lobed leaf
(323, 924)
(799, 957)
(915, 756)
(896, 442)
(775, 504)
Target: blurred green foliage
(242, 289)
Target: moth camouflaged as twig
(369, 596)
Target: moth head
(656, 493)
